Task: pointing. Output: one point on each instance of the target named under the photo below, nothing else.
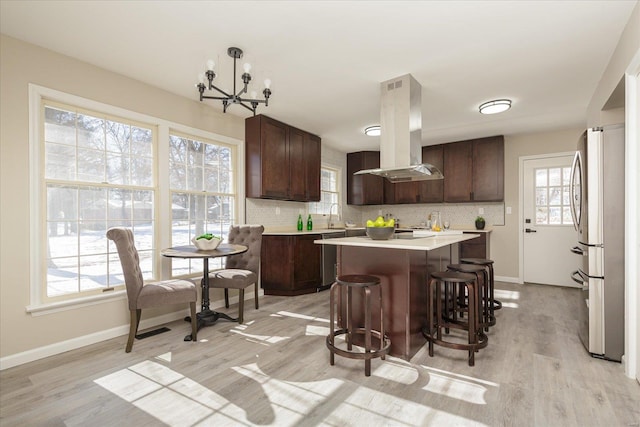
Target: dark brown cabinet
(475, 248)
(474, 170)
(290, 265)
(282, 162)
(364, 189)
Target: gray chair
(242, 270)
(146, 295)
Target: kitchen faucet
(330, 224)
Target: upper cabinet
(282, 162)
(474, 170)
(364, 189)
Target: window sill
(55, 307)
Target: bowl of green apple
(381, 229)
(206, 242)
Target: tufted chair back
(130, 261)
(251, 237)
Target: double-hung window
(98, 173)
(94, 166)
(203, 196)
(329, 192)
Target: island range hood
(401, 137)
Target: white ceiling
(327, 58)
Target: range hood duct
(401, 137)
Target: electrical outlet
(508, 210)
(481, 211)
(277, 210)
(379, 212)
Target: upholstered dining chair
(153, 294)
(242, 270)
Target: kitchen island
(403, 264)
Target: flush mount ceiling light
(372, 130)
(495, 106)
(233, 98)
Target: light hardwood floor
(274, 370)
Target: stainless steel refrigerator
(597, 198)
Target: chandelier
(234, 98)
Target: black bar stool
(366, 283)
(480, 272)
(488, 264)
(442, 309)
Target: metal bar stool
(441, 312)
(364, 282)
(488, 264)
(479, 271)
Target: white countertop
(415, 244)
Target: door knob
(529, 230)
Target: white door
(548, 232)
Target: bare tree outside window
(98, 174)
(202, 191)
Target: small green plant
(479, 218)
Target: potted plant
(480, 223)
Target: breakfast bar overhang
(403, 264)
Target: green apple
(379, 222)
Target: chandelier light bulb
(210, 65)
(201, 78)
(267, 83)
(247, 67)
(254, 94)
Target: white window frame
(317, 207)
(37, 94)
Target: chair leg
(255, 287)
(194, 322)
(133, 328)
(226, 297)
(241, 306)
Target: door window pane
(552, 196)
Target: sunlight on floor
(398, 370)
(361, 405)
(301, 316)
(502, 294)
(458, 386)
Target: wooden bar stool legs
(488, 264)
(442, 312)
(482, 276)
(348, 283)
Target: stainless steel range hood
(401, 137)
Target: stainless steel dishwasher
(329, 259)
(329, 255)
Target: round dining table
(206, 316)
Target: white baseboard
(508, 279)
(74, 343)
(96, 337)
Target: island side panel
(403, 275)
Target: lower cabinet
(475, 248)
(290, 264)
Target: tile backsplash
(280, 214)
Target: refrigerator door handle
(578, 251)
(572, 192)
(579, 280)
